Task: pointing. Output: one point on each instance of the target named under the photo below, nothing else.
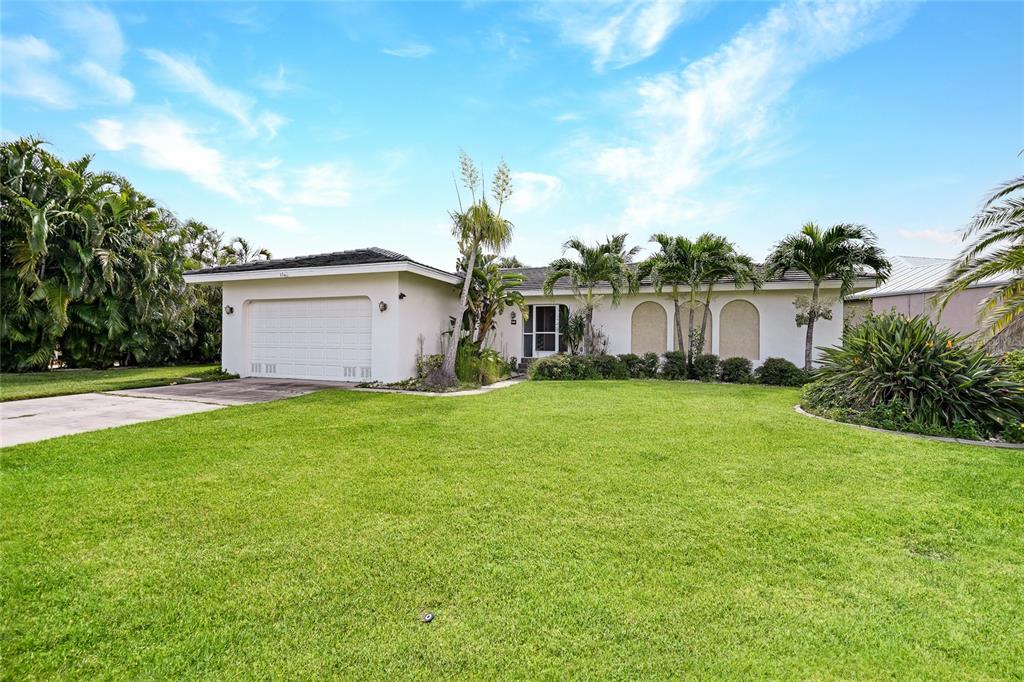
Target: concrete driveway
(25, 421)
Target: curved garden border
(941, 439)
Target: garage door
(314, 338)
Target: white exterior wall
(425, 312)
(779, 335)
(393, 332)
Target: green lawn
(68, 381)
(597, 529)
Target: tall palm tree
(491, 293)
(475, 228)
(605, 263)
(842, 251)
(725, 262)
(998, 249)
(239, 250)
(693, 263)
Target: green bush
(780, 372)
(737, 371)
(705, 367)
(649, 365)
(609, 367)
(940, 384)
(425, 364)
(641, 366)
(563, 368)
(1014, 362)
(674, 366)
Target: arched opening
(740, 327)
(699, 311)
(649, 329)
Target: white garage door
(311, 338)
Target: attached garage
(348, 316)
(314, 338)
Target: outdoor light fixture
(400, 295)
(383, 306)
(228, 310)
(513, 317)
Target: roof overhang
(861, 283)
(874, 293)
(199, 277)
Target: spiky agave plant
(940, 379)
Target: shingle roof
(914, 274)
(366, 256)
(533, 278)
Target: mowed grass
(593, 530)
(19, 386)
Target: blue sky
(325, 126)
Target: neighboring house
(365, 315)
(911, 290)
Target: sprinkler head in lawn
(428, 617)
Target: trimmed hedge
(641, 366)
(675, 365)
(780, 372)
(736, 371)
(705, 367)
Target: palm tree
(491, 293)
(841, 251)
(510, 262)
(692, 263)
(606, 263)
(998, 249)
(238, 250)
(724, 262)
(475, 228)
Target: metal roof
(914, 275)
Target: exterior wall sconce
(228, 310)
(382, 306)
(400, 296)
(513, 317)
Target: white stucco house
(365, 314)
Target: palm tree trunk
(811, 316)
(588, 326)
(680, 344)
(705, 318)
(689, 328)
(447, 374)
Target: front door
(545, 330)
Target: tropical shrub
(473, 365)
(649, 364)
(937, 382)
(425, 364)
(609, 367)
(632, 363)
(563, 367)
(780, 372)
(705, 367)
(1014, 362)
(736, 371)
(674, 366)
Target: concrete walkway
(26, 421)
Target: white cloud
(618, 34)
(103, 47)
(937, 236)
(118, 89)
(718, 109)
(288, 223)
(323, 185)
(26, 72)
(410, 51)
(532, 191)
(168, 144)
(567, 117)
(183, 74)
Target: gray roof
(914, 274)
(533, 278)
(366, 256)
